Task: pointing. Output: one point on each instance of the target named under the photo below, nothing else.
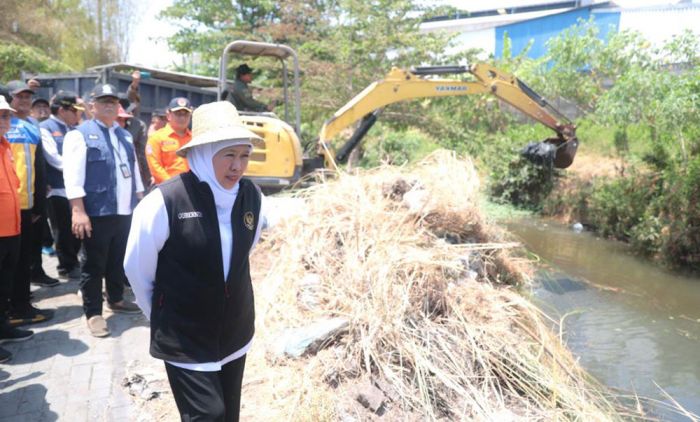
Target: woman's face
(230, 163)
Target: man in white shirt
(103, 185)
(65, 115)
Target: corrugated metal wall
(540, 30)
(659, 24)
(483, 39)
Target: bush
(524, 184)
(16, 58)
(616, 207)
(679, 211)
(396, 147)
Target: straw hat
(216, 122)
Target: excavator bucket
(558, 152)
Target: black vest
(58, 130)
(196, 316)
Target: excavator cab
(277, 161)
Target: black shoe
(124, 307)
(28, 314)
(45, 281)
(73, 274)
(10, 334)
(5, 355)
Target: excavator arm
(400, 85)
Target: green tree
(75, 33)
(580, 66)
(343, 45)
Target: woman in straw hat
(187, 262)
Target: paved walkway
(63, 373)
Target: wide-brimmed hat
(215, 122)
(4, 105)
(123, 113)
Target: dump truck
(156, 89)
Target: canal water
(632, 324)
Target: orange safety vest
(163, 162)
(9, 198)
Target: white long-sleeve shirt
(150, 228)
(74, 163)
(53, 157)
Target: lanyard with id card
(123, 167)
(126, 173)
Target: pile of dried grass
(435, 322)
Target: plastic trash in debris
(540, 153)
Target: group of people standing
(81, 167)
(183, 248)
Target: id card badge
(126, 173)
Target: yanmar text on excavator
(279, 161)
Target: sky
(149, 48)
(148, 45)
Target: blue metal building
(536, 32)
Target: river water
(632, 324)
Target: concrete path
(63, 373)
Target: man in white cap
(103, 185)
(187, 261)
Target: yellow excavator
(279, 160)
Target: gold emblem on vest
(249, 220)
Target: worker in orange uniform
(162, 145)
(10, 229)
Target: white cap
(4, 105)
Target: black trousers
(20, 288)
(39, 228)
(67, 245)
(9, 255)
(208, 396)
(104, 258)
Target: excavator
(279, 161)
